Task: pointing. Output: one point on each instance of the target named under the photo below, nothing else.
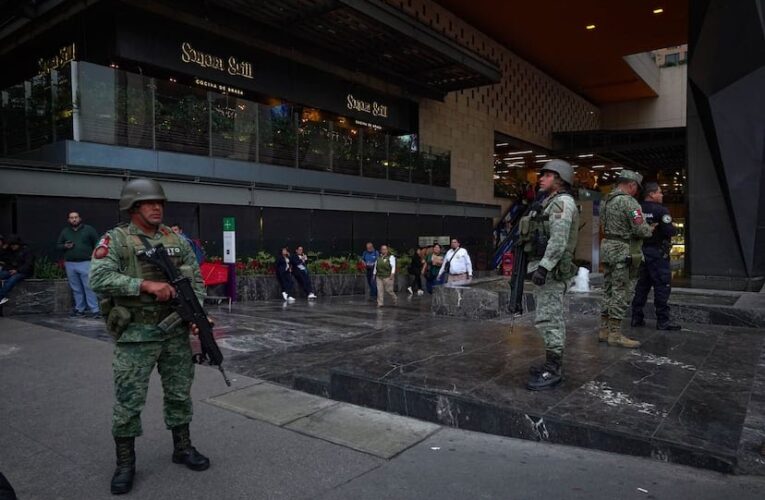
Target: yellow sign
(64, 55)
(232, 66)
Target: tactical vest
(635, 244)
(135, 267)
(535, 233)
(384, 269)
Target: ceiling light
(597, 166)
(514, 158)
(617, 168)
(539, 156)
(520, 152)
(658, 11)
(590, 26)
(542, 161)
(499, 144)
(588, 155)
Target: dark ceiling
(552, 35)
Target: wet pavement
(684, 397)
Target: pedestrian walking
(77, 242)
(415, 271)
(550, 235)
(136, 299)
(433, 262)
(457, 266)
(369, 257)
(284, 274)
(624, 228)
(654, 271)
(385, 274)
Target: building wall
(666, 110)
(527, 104)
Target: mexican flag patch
(636, 216)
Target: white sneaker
(284, 294)
(311, 296)
(3, 300)
(290, 299)
(409, 289)
(420, 292)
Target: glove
(540, 276)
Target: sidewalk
(55, 443)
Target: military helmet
(631, 175)
(562, 168)
(140, 190)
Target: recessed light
(658, 11)
(588, 155)
(519, 152)
(501, 144)
(597, 166)
(590, 26)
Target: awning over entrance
(647, 150)
(359, 35)
(371, 36)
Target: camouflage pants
(549, 316)
(132, 366)
(619, 288)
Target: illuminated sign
(225, 89)
(232, 66)
(372, 108)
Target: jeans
(9, 282)
(77, 273)
(371, 282)
(432, 281)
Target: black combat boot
(184, 453)
(122, 480)
(549, 376)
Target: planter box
(266, 287)
(33, 296)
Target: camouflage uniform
(116, 274)
(560, 218)
(624, 228)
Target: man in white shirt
(385, 273)
(457, 265)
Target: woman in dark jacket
(284, 274)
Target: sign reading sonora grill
(232, 66)
(373, 108)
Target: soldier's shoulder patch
(666, 218)
(102, 249)
(636, 216)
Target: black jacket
(21, 261)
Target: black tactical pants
(654, 273)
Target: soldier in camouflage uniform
(624, 229)
(550, 233)
(135, 302)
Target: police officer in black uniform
(654, 272)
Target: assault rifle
(520, 264)
(187, 306)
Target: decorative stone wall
(33, 296)
(527, 104)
